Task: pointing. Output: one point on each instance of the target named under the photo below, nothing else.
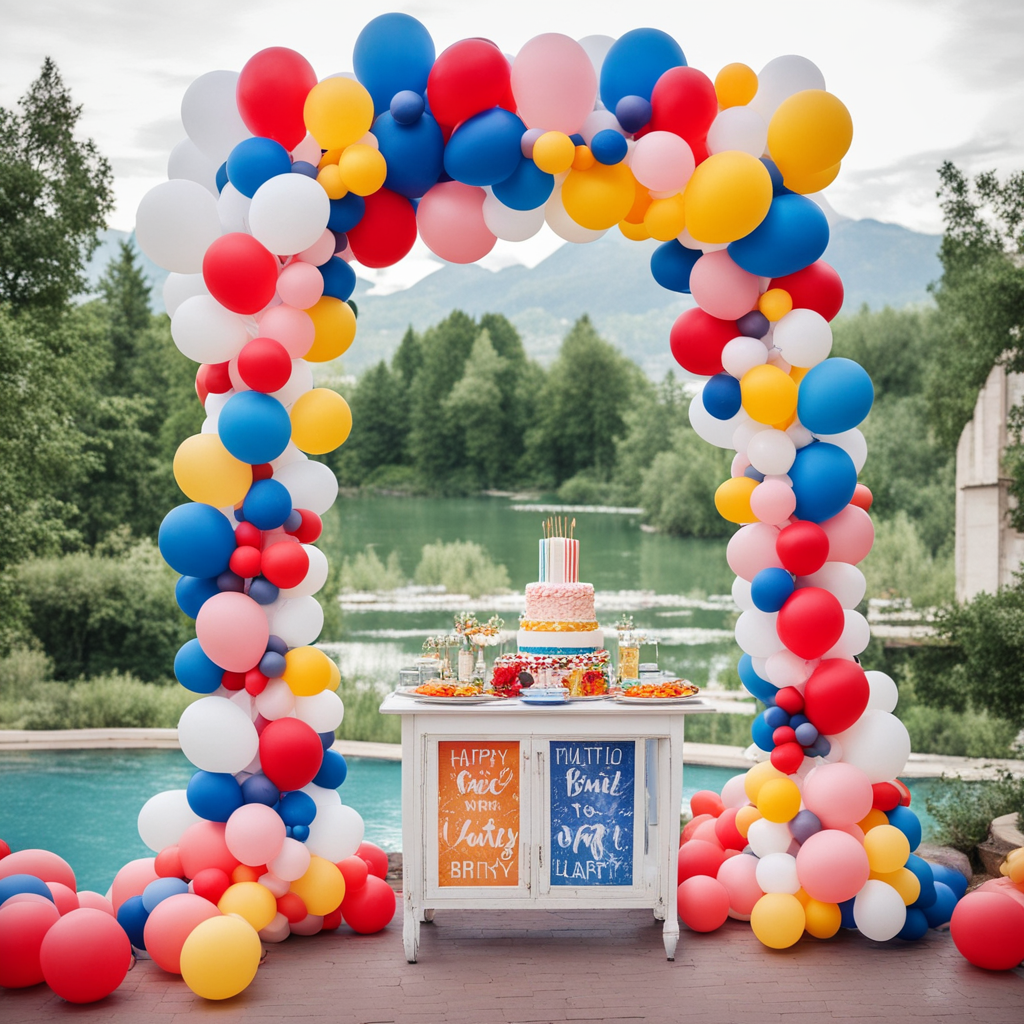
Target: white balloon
(292, 862)
(599, 121)
(844, 581)
(324, 711)
(300, 381)
(298, 622)
(206, 332)
(756, 633)
(179, 287)
(288, 213)
(164, 818)
(714, 431)
(311, 484)
(743, 354)
(562, 224)
(316, 575)
(781, 78)
(804, 337)
(685, 238)
(771, 452)
(175, 223)
(855, 637)
(852, 442)
(738, 128)
(290, 455)
(233, 209)
(210, 115)
(766, 837)
(878, 744)
(776, 872)
(741, 594)
(217, 736)
(776, 358)
(189, 162)
(785, 668)
(883, 693)
(879, 911)
(276, 701)
(745, 431)
(308, 151)
(508, 224)
(275, 883)
(733, 792)
(801, 436)
(213, 405)
(596, 48)
(335, 833)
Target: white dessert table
(507, 805)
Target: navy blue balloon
(776, 717)
(753, 324)
(267, 504)
(262, 591)
(276, 644)
(254, 427)
(846, 913)
(160, 889)
(297, 808)
(254, 161)
(778, 188)
(671, 264)
(294, 521)
(327, 739)
(941, 910)
(414, 153)
(486, 148)
(804, 825)
(333, 770)
(951, 878)
(792, 236)
(761, 733)
(196, 539)
(758, 687)
(834, 396)
(753, 474)
(407, 107)
(819, 748)
(392, 53)
(609, 146)
(306, 168)
(923, 870)
(272, 664)
(721, 396)
(908, 823)
(526, 188)
(634, 64)
(222, 176)
(214, 795)
(132, 916)
(633, 113)
(192, 592)
(770, 588)
(300, 832)
(230, 582)
(14, 884)
(915, 927)
(194, 670)
(824, 479)
(577, 140)
(340, 241)
(346, 212)
(258, 789)
(795, 721)
(339, 278)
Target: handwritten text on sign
(592, 812)
(478, 813)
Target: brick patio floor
(535, 967)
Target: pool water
(84, 804)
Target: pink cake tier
(560, 602)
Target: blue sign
(592, 812)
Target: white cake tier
(542, 642)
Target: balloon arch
(283, 181)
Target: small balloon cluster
(988, 924)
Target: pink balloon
(233, 631)
(254, 834)
(290, 326)
(832, 866)
(450, 219)
(23, 926)
(46, 866)
(718, 285)
(739, 876)
(94, 901)
(839, 794)
(131, 880)
(300, 285)
(202, 846)
(850, 535)
(773, 502)
(751, 549)
(85, 956)
(65, 898)
(554, 83)
(703, 903)
(170, 924)
(663, 162)
(321, 250)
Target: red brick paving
(539, 967)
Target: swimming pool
(84, 804)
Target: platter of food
(448, 693)
(673, 692)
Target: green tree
(378, 432)
(408, 357)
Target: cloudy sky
(925, 80)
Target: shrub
(584, 489)
(364, 571)
(728, 730)
(461, 567)
(963, 811)
(363, 720)
(21, 671)
(900, 565)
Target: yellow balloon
(823, 919)
(809, 132)
(584, 159)
(363, 169)
(330, 156)
(732, 499)
(779, 800)
(768, 393)
(634, 232)
(904, 881)
(250, 900)
(887, 849)
(334, 324)
(642, 199)
(206, 471)
(330, 181)
(220, 957)
(322, 887)
(757, 776)
(308, 671)
(805, 184)
(599, 198)
(1013, 867)
(338, 112)
(736, 85)
(665, 218)
(775, 303)
(797, 374)
(554, 152)
(872, 819)
(727, 197)
(745, 817)
(321, 421)
(778, 920)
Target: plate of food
(672, 692)
(448, 692)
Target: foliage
(900, 565)
(363, 720)
(461, 567)
(968, 733)
(21, 670)
(726, 730)
(963, 811)
(364, 571)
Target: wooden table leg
(411, 929)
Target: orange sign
(478, 813)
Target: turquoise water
(84, 804)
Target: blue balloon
(633, 112)
(795, 721)
(132, 916)
(915, 927)
(819, 748)
(761, 732)
(806, 734)
(327, 739)
(214, 795)
(846, 915)
(293, 522)
(229, 581)
(194, 670)
(392, 53)
(824, 479)
(834, 396)
(297, 808)
(526, 188)
(254, 161)
(272, 664)
(339, 278)
(303, 167)
(407, 107)
(196, 539)
(346, 212)
(262, 591)
(671, 264)
(14, 884)
(778, 189)
(804, 825)
(941, 910)
(758, 687)
(258, 789)
(609, 146)
(776, 717)
(721, 396)
(770, 588)
(634, 64)
(254, 427)
(908, 823)
(951, 878)
(300, 832)
(222, 176)
(414, 154)
(276, 644)
(485, 148)
(923, 870)
(753, 474)
(192, 592)
(792, 236)
(268, 504)
(159, 889)
(753, 324)
(333, 770)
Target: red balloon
(703, 903)
(285, 564)
(232, 680)
(706, 802)
(240, 273)
(470, 76)
(810, 623)
(167, 863)
(290, 753)
(23, 926)
(836, 695)
(684, 102)
(355, 871)
(376, 859)
(699, 857)
(692, 825)
(788, 757)
(697, 340)
(988, 929)
(211, 884)
(247, 534)
(4, 849)
(726, 831)
(292, 906)
(262, 471)
(212, 379)
(332, 921)
(802, 547)
(862, 497)
(790, 699)
(245, 561)
(202, 846)
(386, 231)
(264, 364)
(311, 527)
(885, 796)
(816, 287)
(255, 682)
(271, 93)
(370, 908)
(783, 734)
(85, 955)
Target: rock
(1003, 836)
(947, 856)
